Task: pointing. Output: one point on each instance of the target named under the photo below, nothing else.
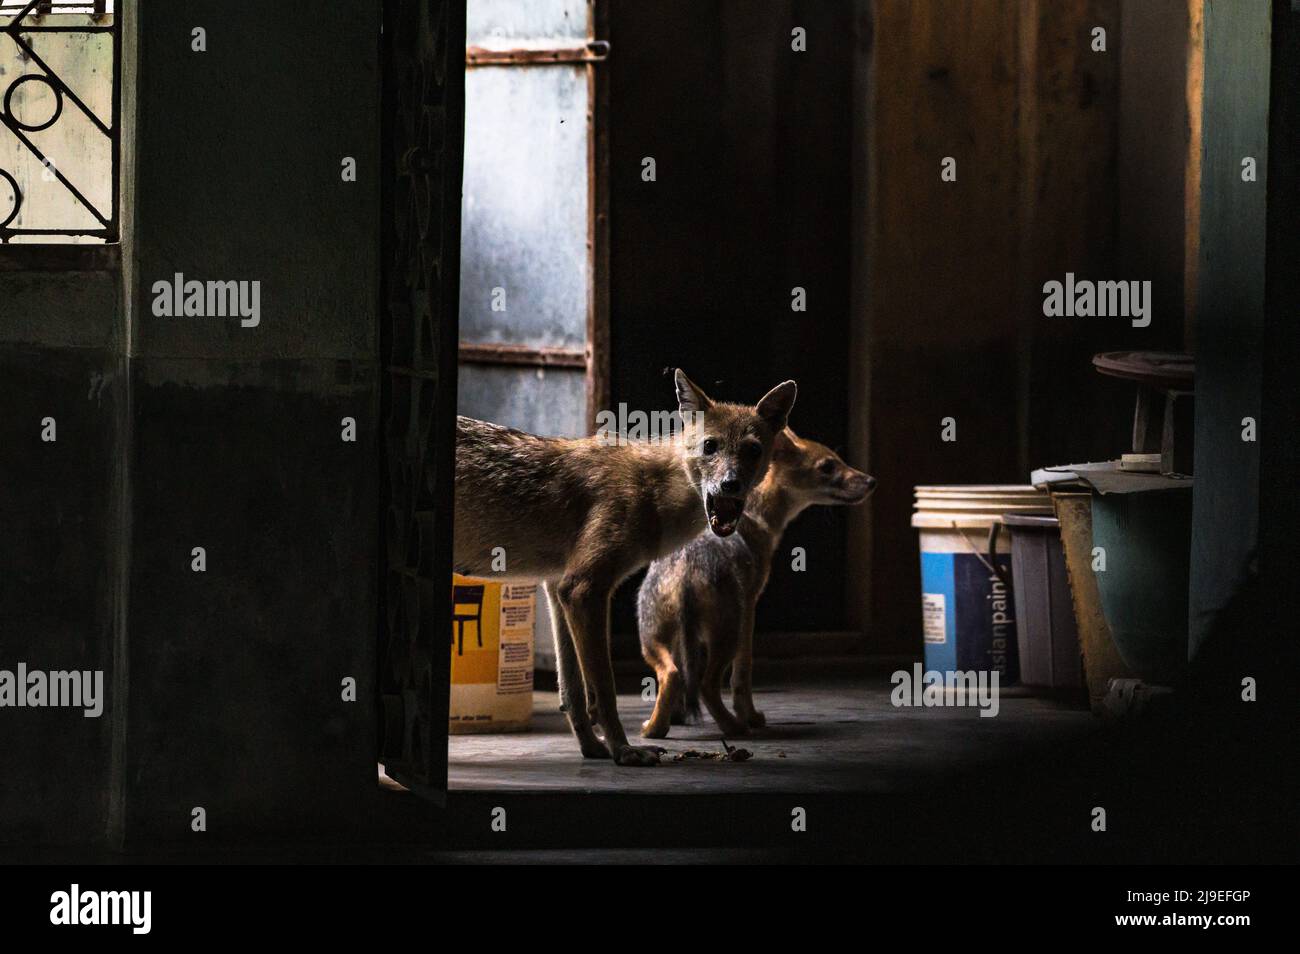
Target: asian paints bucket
(967, 604)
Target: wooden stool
(1163, 428)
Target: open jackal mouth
(724, 513)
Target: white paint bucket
(967, 607)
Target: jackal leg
(658, 653)
(711, 684)
(585, 598)
(742, 674)
(569, 676)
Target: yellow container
(492, 629)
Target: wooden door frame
(419, 313)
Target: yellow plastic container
(492, 631)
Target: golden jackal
(701, 599)
(582, 515)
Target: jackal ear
(776, 404)
(690, 399)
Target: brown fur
(703, 596)
(582, 515)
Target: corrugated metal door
(533, 317)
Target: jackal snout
(729, 446)
(815, 474)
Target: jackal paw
(593, 748)
(638, 755)
(651, 731)
(729, 725)
(756, 720)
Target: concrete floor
(824, 735)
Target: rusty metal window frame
(594, 358)
(63, 255)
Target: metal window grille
(59, 171)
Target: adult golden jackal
(583, 514)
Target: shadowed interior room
(531, 213)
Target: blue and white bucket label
(967, 615)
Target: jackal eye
(710, 446)
(751, 450)
(826, 467)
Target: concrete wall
(62, 554)
(236, 431)
(58, 549)
(174, 433)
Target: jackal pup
(582, 515)
(696, 607)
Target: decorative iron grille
(62, 169)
